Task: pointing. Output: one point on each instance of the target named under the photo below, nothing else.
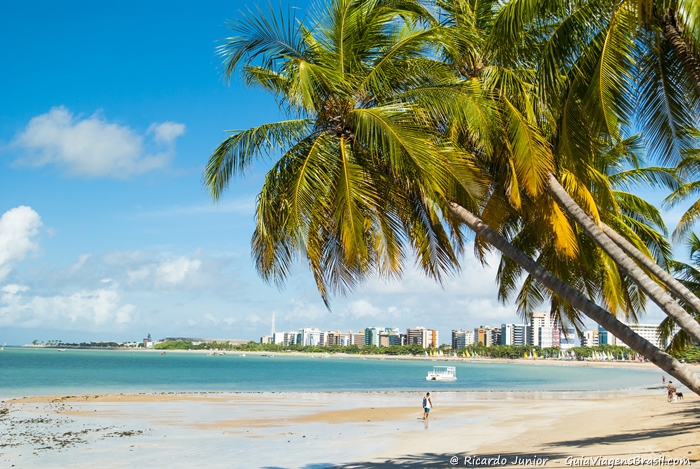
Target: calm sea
(25, 372)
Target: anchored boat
(442, 373)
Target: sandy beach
(348, 430)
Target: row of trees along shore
(416, 129)
(689, 354)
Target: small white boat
(61, 350)
(442, 373)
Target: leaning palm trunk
(640, 345)
(691, 64)
(652, 289)
(672, 283)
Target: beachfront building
(513, 334)
(421, 336)
(650, 332)
(606, 338)
(267, 339)
(495, 335)
(462, 338)
(372, 335)
(397, 339)
(485, 335)
(323, 339)
(383, 339)
(334, 338)
(290, 338)
(542, 330)
(590, 339)
(358, 339)
(380, 336)
(278, 337)
(309, 337)
(567, 338)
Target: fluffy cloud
(166, 132)
(94, 147)
(17, 228)
(86, 309)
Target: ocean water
(29, 372)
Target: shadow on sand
(555, 458)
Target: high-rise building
(462, 338)
(590, 339)
(372, 335)
(650, 332)
(397, 339)
(278, 338)
(567, 338)
(383, 339)
(543, 331)
(358, 339)
(289, 338)
(514, 334)
(422, 336)
(267, 339)
(495, 335)
(606, 338)
(308, 336)
(484, 335)
(323, 339)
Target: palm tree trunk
(640, 345)
(691, 64)
(652, 289)
(672, 283)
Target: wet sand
(346, 430)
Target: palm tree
(365, 175)
(590, 53)
(351, 84)
(470, 46)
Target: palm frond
(235, 154)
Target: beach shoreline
(344, 429)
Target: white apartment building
(649, 332)
(308, 336)
(542, 330)
(278, 337)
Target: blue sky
(108, 113)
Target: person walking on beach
(663, 380)
(427, 404)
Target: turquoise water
(25, 372)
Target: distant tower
(272, 329)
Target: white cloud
(302, 310)
(17, 228)
(175, 272)
(99, 308)
(166, 132)
(360, 308)
(94, 147)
